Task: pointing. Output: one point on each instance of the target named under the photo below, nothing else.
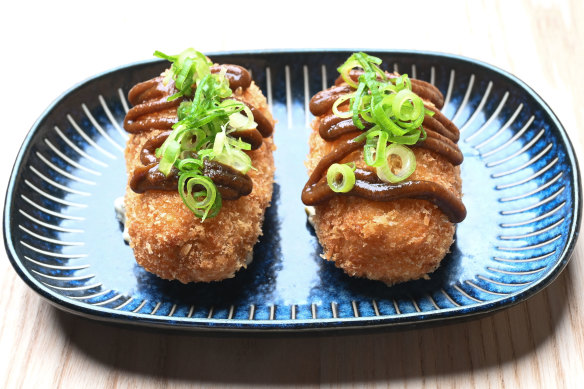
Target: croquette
(171, 242)
(390, 241)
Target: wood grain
(538, 343)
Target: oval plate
(520, 181)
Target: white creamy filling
(310, 213)
(120, 208)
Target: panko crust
(392, 241)
(171, 242)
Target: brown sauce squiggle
(228, 179)
(147, 155)
(148, 177)
(443, 146)
(313, 194)
(322, 103)
(441, 124)
(368, 186)
(428, 91)
(440, 139)
(265, 127)
(442, 136)
(229, 182)
(251, 136)
(238, 77)
(150, 108)
(152, 111)
(332, 127)
(380, 191)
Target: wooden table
(48, 47)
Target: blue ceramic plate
(521, 188)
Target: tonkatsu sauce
(152, 111)
(441, 138)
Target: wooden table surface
(49, 46)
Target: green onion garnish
(188, 68)
(399, 163)
(202, 131)
(204, 203)
(374, 151)
(390, 105)
(341, 177)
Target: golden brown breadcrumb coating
(171, 242)
(392, 241)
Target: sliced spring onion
(403, 82)
(399, 164)
(408, 107)
(203, 130)
(380, 115)
(387, 102)
(238, 143)
(365, 61)
(395, 112)
(239, 121)
(374, 151)
(190, 164)
(219, 143)
(194, 140)
(205, 201)
(227, 151)
(355, 105)
(170, 152)
(188, 68)
(339, 101)
(408, 139)
(237, 159)
(341, 177)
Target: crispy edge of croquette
(392, 241)
(171, 242)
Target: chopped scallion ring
(237, 159)
(341, 177)
(242, 121)
(170, 152)
(206, 201)
(188, 68)
(190, 164)
(396, 113)
(399, 164)
(374, 151)
(219, 143)
(339, 101)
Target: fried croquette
(396, 240)
(171, 242)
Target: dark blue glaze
(520, 181)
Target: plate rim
(287, 325)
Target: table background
(49, 46)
